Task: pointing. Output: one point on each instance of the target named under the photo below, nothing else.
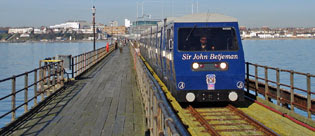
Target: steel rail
(210, 128)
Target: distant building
(42, 30)
(304, 35)
(140, 25)
(20, 30)
(67, 25)
(84, 24)
(127, 23)
(115, 30)
(85, 31)
(4, 30)
(114, 23)
(264, 35)
(243, 28)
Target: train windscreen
(207, 39)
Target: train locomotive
(199, 57)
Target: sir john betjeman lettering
(211, 56)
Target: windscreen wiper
(190, 32)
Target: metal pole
(292, 90)
(13, 98)
(72, 67)
(93, 27)
(309, 103)
(266, 84)
(35, 87)
(247, 76)
(256, 80)
(26, 92)
(278, 86)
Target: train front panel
(209, 62)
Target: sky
(250, 13)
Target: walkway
(104, 101)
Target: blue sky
(251, 13)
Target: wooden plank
(102, 102)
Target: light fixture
(195, 65)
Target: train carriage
(199, 57)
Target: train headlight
(190, 97)
(233, 96)
(223, 65)
(195, 65)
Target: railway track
(227, 121)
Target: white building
(289, 35)
(20, 30)
(40, 30)
(85, 31)
(304, 35)
(67, 25)
(264, 35)
(127, 23)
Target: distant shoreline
(278, 38)
(73, 41)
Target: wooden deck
(104, 101)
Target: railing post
(35, 87)
(88, 60)
(77, 66)
(247, 73)
(94, 57)
(44, 73)
(292, 90)
(84, 58)
(62, 74)
(309, 103)
(54, 77)
(26, 92)
(13, 98)
(256, 80)
(81, 63)
(266, 84)
(72, 67)
(278, 86)
(41, 83)
(48, 81)
(58, 71)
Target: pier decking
(103, 101)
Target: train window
(207, 39)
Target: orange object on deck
(107, 47)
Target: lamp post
(93, 13)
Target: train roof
(202, 17)
(194, 18)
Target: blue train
(199, 57)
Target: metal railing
(47, 79)
(284, 94)
(159, 114)
(84, 61)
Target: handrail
(55, 73)
(48, 79)
(161, 119)
(82, 62)
(279, 87)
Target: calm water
(297, 55)
(17, 58)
